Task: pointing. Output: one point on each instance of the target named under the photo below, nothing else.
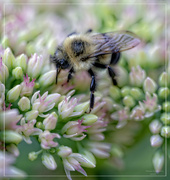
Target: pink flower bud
(46, 139)
(66, 107)
(27, 86)
(74, 130)
(45, 102)
(72, 163)
(151, 102)
(27, 129)
(138, 113)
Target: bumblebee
(89, 50)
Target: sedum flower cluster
(34, 108)
(29, 110)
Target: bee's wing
(113, 42)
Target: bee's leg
(72, 33)
(112, 74)
(99, 65)
(89, 31)
(70, 74)
(115, 58)
(92, 88)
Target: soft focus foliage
(44, 127)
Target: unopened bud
(17, 73)
(165, 131)
(21, 61)
(155, 126)
(51, 121)
(49, 161)
(24, 104)
(149, 85)
(4, 73)
(31, 115)
(163, 79)
(90, 161)
(137, 76)
(128, 101)
(40, 125)
(89, 119)
(82, 107)
(125, 91)
(136, 93)
(158, 161)
(14, 93)
(163, 92)
(12, 137)
(114, 92)
(34, 66)
(156, 140)
(47, 78)
(165, 118)
(8, 58)
(64, 151)
(166, 106)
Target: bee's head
(60, 62)
(59, 59)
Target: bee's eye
(64, 64)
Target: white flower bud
(34, 67)
(14, 93)
(12, 137)
(48, 161)
(17, 73)
(155, 126)
(8, 58)
(21, 61)
(149, 85)
(24, 104)
(31, 115)
(4, 73)
(64, 151)
(51, 121)
(158, 161)
(47, 78)
(156, 140)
